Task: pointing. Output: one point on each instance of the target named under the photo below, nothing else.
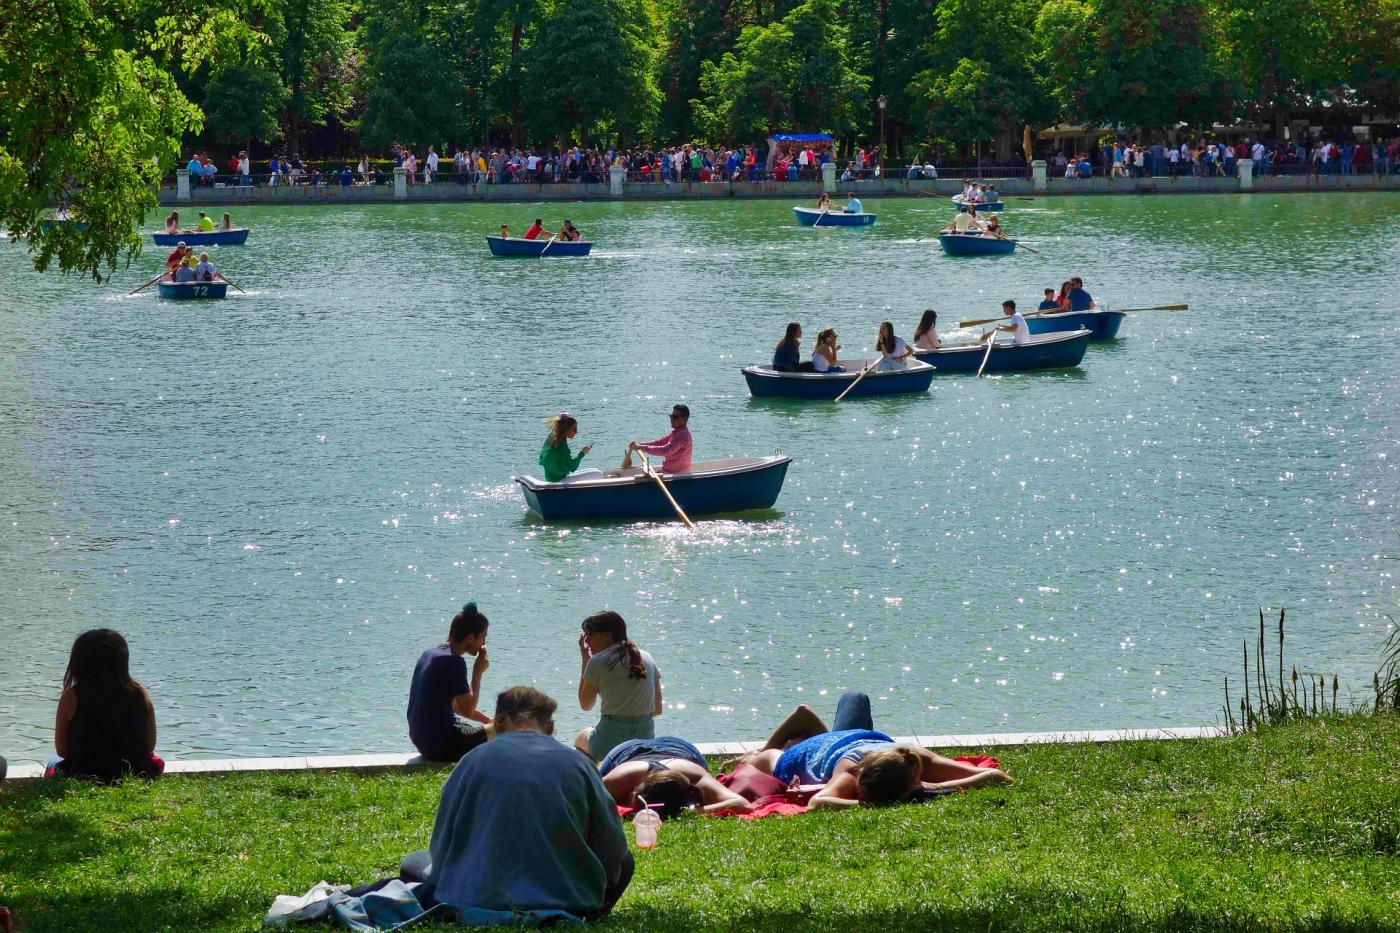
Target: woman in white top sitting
(925, 337)
(824, 353)
(894, 352)
(172, 222)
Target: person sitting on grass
(624, 677)
(857, 764)
(443, 720)
(524, 823)
(106, 724)
(669, 774)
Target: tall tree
(1148, 63)
(572, 96)
(310, 45)
(981, 81)
(796, 73)
(241, 103)
(91, 118)
(398, 104)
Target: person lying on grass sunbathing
(857, 764)
(669, 774)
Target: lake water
(281, 499)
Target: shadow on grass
(1024, 910)
(169, 908)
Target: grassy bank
(1294, 828)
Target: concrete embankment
(400, 761)
(1244, 181)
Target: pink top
(675, 447)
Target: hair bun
(470, 606)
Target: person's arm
(465, 703)
(839, 793)
(656, 702)
(661, 446)
(67, 707)
(587, 690)
(150, 720)
(716, 797)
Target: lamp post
(882, 101)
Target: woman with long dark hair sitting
(106, 724)
(787, 355)
(624, 677)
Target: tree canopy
(125, 85)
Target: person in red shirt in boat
(537, 230)
(176, 259)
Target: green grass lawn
(1295, 828)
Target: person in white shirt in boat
(227, 223)
(824, 202)
(205, 271)
(824, 353)
(894, 352)
(925, 335)
(1015, 325)
(965, 221)
(853, 205)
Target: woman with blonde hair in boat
(556, 458)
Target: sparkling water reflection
(281, 498)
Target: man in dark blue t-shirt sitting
(1049, 303)
(1079, 299)
(443, 720)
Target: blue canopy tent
(776, 138)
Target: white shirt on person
(964, 222)
(1022, 332)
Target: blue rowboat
(765, 381)
(1102, 325)
(1049, 351)
(711, 487)
(235, 237)
(811, 217)
(516, 246)
(988, 207)
(974, 244)
(190, 291)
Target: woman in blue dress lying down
(857, 764)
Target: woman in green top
(556, 458)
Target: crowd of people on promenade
(799, 161)
(1205, 157)
(525, 822)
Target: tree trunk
(517, 126)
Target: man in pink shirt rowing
(675, 447)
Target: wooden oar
(863, 374)
(549, 244)
(234, 284)
(991, 339)
(818, 221)
(1157, 308)
(147, 285)
(1024, 246)
(646, 465)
